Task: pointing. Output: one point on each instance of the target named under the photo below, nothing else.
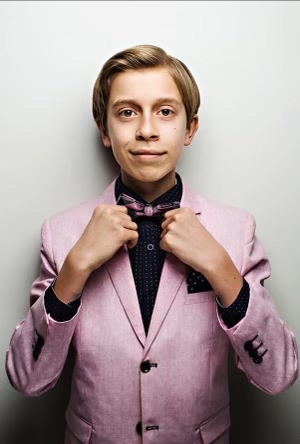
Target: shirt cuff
(237, 310)
(58, 310)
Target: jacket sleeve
(39, 345)
(265, 347)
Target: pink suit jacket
(183, 398)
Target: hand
(109, 229)
(184, 236)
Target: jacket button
(257, 359)
(145, 366)
(253, 353)
(248, 346)
(138, 428)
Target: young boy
(150, 282)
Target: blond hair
(140, 57)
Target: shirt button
(150, 247)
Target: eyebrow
(160, 101)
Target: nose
(147, 130)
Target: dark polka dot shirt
(147, 258)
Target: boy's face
(147, 127)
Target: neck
(149, 191)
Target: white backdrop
(245, 57)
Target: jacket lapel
(173, 273)
(119, 269)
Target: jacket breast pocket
(78, 430)
(198, 298)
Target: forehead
(143, 84)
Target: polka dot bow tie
(137, 208)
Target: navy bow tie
(137, 208)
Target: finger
(130, 225)
(125, 215)
(121, 209)
(172, 212)
(132, 242)
(168, 216)
(163, 245)
(163, 233)
(166, 222)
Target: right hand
(109, 228)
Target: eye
(127, 113)
(166, 112)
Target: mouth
(147, 154)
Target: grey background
(245, 57)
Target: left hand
(184, 236)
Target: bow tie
(137, 208)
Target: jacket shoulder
(210, 207)
(83, 211)
(73, 220)
(229, 212)
(226, 222)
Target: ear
(191, 131)
(105, 137)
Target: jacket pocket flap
(81, 428)
(211, 429)
(197, 298)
